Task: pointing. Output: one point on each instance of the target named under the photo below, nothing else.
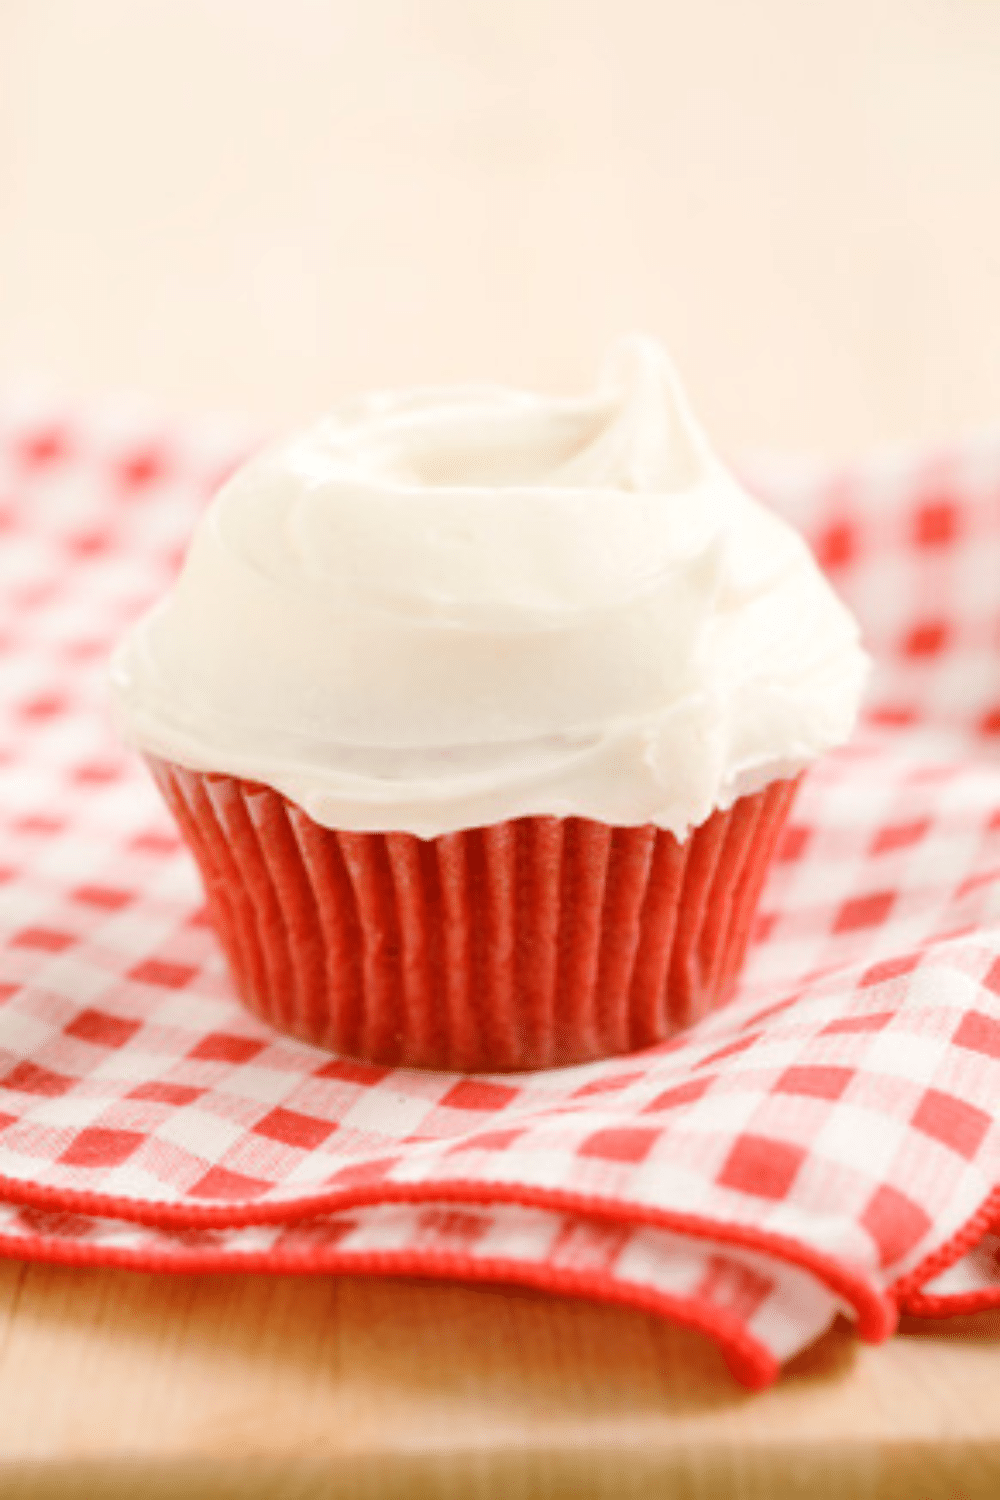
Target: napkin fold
(827, 1143)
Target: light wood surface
(117, 1384)
(260, 206)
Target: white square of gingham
(828, 1142)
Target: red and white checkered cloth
(827, 1143)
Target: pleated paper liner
(535, 943)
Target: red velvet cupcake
(533, 943)
(481, 714)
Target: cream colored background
(263, 204)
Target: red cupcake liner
(535, 943)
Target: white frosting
(444, 608)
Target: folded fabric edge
(927, 1305)
(911, 1291)
(876, 1313)
(748, 1360)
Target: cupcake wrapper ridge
(535, 943)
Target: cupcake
(481, 712)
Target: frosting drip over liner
(444, 608)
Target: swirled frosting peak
(443, 608)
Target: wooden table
(114, 1384)
(261, 206)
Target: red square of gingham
(828, 1143)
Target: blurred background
(262, 205)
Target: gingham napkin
(827, 1143)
